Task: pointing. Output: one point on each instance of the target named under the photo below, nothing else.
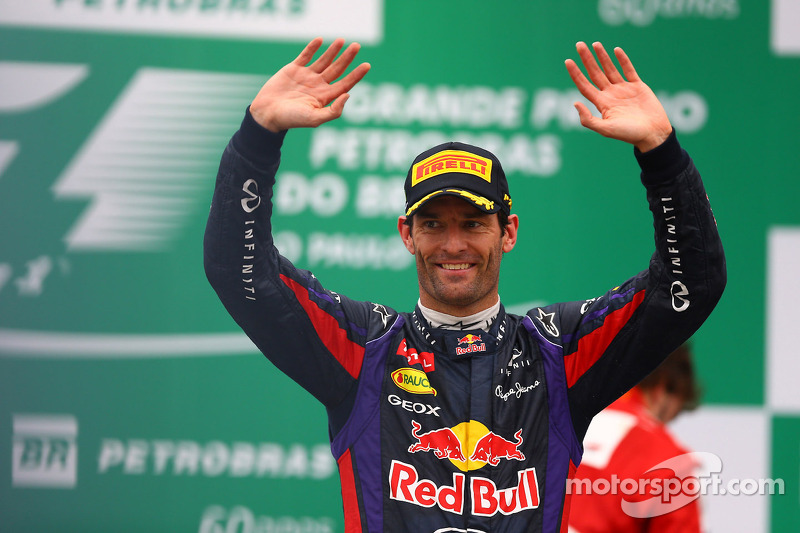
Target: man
(625, 442)
(458, 416)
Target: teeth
(457, 266)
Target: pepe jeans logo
(515, 391)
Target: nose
(455, 240)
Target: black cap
(458, 169)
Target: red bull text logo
(405, 485)
(471, 344)
(416, 358)
(413, 381)
(451, 161)
(469, 446)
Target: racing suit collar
(457, 344)
(480, 320)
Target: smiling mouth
(455, 266)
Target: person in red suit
(616, 487)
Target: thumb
(337, 107)
(318, 116)
(588, 120)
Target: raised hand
(629, 109)
(299, 94)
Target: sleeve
(623, 453)
(610, 343)
(313, 335)
(665, 500)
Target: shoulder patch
(547, 320)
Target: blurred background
(130, 401)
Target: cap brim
(481, 202)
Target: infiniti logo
(678, 291)
(253, 195)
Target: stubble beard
(460, 295)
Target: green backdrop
(130, 401)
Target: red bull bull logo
(442, 442)
(492, 447)
(469, 445)
(469, 339)
(472, 345)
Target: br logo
(45, 451)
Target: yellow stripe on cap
(448, 161)
(479, 201)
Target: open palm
(302, 95)
(629, 110)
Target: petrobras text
(214, 459)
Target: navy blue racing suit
(459, 431)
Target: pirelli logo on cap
(451, 161)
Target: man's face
(662, 404)
(458, 249)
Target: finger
(308, 52)
(328, 113)
(348, 82)
(583, 85)
(609, 69)
(328, 56)
(337, 107)
(341, 63)
(588, 120)
(591, 66)
(626, 64)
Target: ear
(405, 234)
(510, 235)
